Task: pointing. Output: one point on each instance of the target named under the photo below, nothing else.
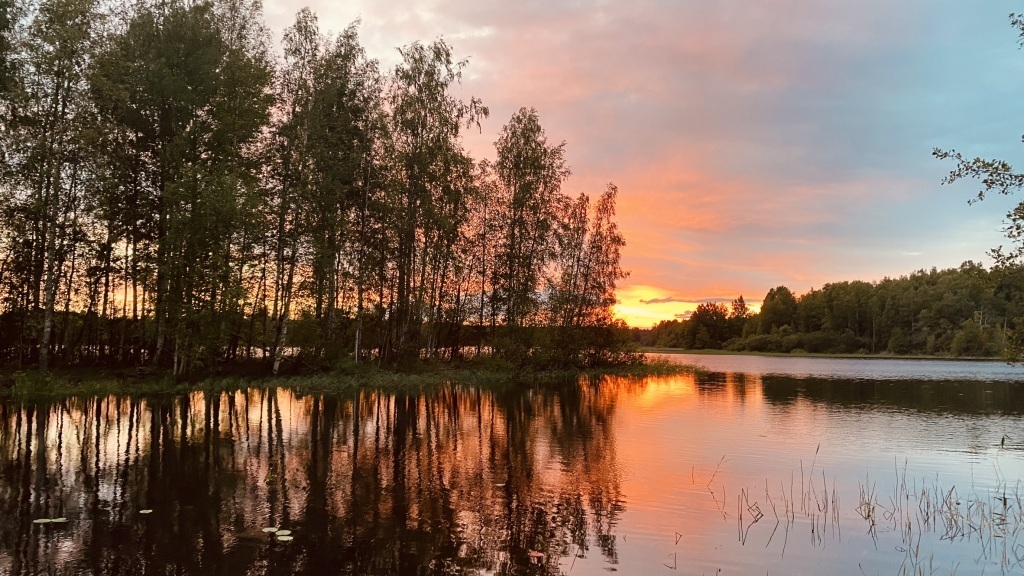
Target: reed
(917, 514)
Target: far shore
(716, 352)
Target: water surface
(737, 471)
(855, 368)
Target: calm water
(855, 368)
(794, 468)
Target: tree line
(176, 192)
(965, 311)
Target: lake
(753, 465)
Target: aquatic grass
(994, 519)
(819, 506)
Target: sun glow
(643, 306)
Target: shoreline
(80, 383)
(851, 356)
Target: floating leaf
(270, 529)
(284, 538)
(41, 521)
(60, 520)
(283, 532)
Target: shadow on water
(457, 480)
(951, 397)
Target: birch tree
(425, 127)
(189, 87)
(48, 148)
(530, 172)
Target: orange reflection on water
(607, 473)
(672, 465)
(369, 483)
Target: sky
(754, 144)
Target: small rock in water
(146, 511)
(284, 538)
(41, 521)
(270, 529)
(283, 532)
(60, 520)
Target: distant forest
(175, 192)
(965, 311)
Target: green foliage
(529, 175)
(174, 194)
(580, 301)
(708, 327)
(898, 342)
(778, 309)
(961, 311)
(968, 340)
(320, 204)
(182, 92)
(430, 189)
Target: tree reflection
(451, 482)
(950, 397)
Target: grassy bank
(802, 354)
(32, 386)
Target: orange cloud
(645, 306)
(753, 144)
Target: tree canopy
(961, 311)
(175, 193)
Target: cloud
(687, 301)
(754, 144)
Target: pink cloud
(754, 143)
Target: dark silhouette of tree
(529, 172)
(173, 193)
(6, 44)
(778, 309)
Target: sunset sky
(753, 143)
